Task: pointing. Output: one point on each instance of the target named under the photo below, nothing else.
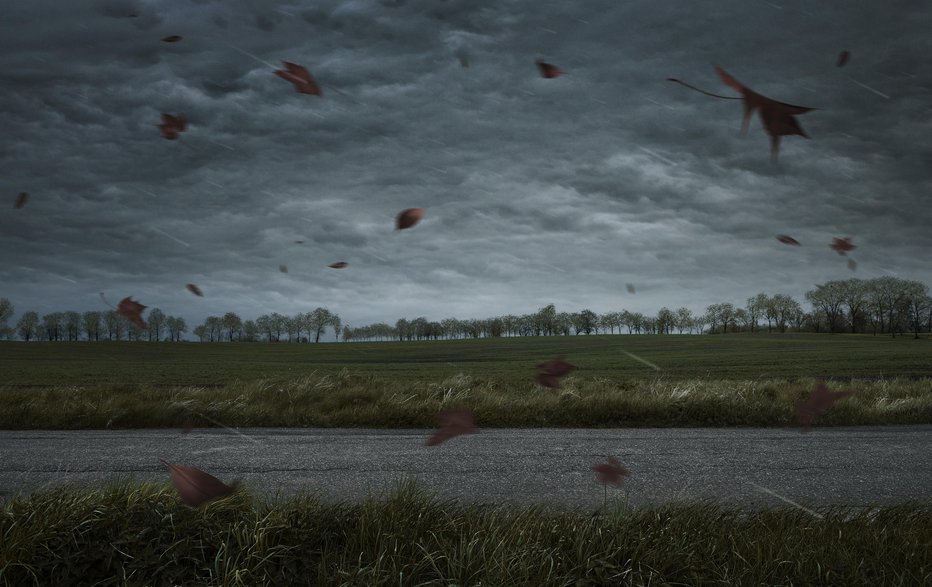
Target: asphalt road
(749, 468)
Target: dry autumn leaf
(338, 265)
(196, 487)
(842, 245)
(552, 371)
(172, 125)
(283, 268)
(787, 240)
(195, 290)
(548, 70)
(301, 78)
(172, 39)
(777, 117)
(852, 265)
(630, 288)
(818, 402)
(132, 311)
(408, 218)
(611, 471)
(843, 58)
(21, 200)
(453, 422)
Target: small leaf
(451, 423)
(843, 58)
(611, 471)
(842, 245)
(172, 39)
(338, 265)
(787, 240)
(195, 290)
(548, 70)
(172, 125)
(132, 311)
(408, 218)
(301, 78)
(21, 200)
(196, 487)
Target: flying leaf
(611, 471)
(187, 426)
(408, 218)
(630, 287)
(195, 486)
(852, 265)
(548, 70)
(283, 268)
(21, 200)
(172, 39)
(338, 265)
(195, 290)
(299, 242)
(787, 240)
(464, 60)
(777, 117)
(820, 400)
(843, 58)
(842, 245)
(552, 371)
(301, 78)
(172, 125)
(132, 311)
(453, 422)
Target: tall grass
(343, 399)
(141, 535)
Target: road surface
(748, 468)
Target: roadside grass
(140, 534)
(346, 400)
(509, 360)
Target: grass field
(507, 360)
(141, 535)
(703, 381)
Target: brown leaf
(630, 287)
(172, 125)
(842, 245)
(843, 58)
(338, 265)
(301, 78)
(195, 486)
(299, 242)
(548, 70)
(552, 371)
(408, 218)
(172, 39)
(21, 200)
(283, 268)
(820, 400)
(195, 290)
(852, 265)
(132, 311)
(453, 422)
(777, 116)
(787, 240)
(187, 426)
(611, 471)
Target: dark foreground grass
(509, 360)
(346, 400)
(141, 535)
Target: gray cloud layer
(536, 190)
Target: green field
(509, 361)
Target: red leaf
(820, 400)
(172, 39)
(630, 287)
(172, 125)
(195, 290)
(338, 265)
(408, 218)
(21, 200)
(843, 58)
(611, 471)
(787, 240)
(842, 245)
(132, 311)
(301, 78)
(453, 422)
(283, 268)
(548, 70)
(195, 486)
(552, 371)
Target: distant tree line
(885, 305)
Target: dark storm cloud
(536, 190)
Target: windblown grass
(131, 534)
(367, 401)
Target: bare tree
(92, 322)
(154, 324)
(828, 298)
(28, 326)
(6, 312)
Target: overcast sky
(536, 190)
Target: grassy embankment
(734, 380)
(141, 535)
